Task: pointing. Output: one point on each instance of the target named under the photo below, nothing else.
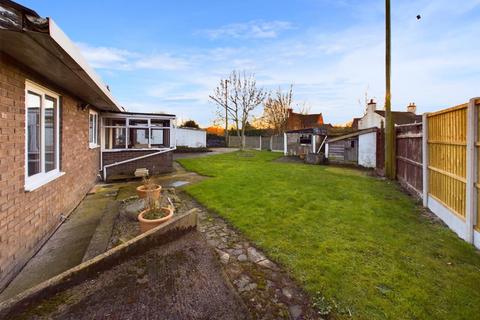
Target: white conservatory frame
(134, 116)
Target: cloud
(105, 57)
(434, 63)
(256, 29)
(120, 59)
(162, 62)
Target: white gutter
(134, 159)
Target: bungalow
(60, 131)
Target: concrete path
(203, 154)
(67, 246)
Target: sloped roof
(402, 117)
(353, 134)
(310, 120)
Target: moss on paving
(359, 245)
(127, 190)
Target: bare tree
(275, 110)
(245, 97)
(225, 111)
(304, 108)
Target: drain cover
(177, 184)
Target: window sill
(33, 185)
(93, 146)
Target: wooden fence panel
(447, 140)
(409, 157)
(277, 143)
(477, 149)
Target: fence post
(425, 158)
(260, 147)
(285, 150)
(271, 143)
(471, 171)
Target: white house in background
(374, 118)
(191, 137)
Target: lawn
(357, 244)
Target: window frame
(128, 126)
(39, 179)
(93, 143)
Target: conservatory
(131, 141)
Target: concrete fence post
(271, 143)
(285, 150)
(314, 142)
(470, 206)
(425, 158)
(260, 144)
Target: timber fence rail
(450, 143)
(270, 143)
(409, 157)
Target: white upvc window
(121, 132)
(42, 136)
(93, 129)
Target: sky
(168, 56)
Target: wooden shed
(304, 141)
(358, 148)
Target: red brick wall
(157, 164)
(27, 218)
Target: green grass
(357, 244)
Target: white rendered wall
(193, 138)
(367, 150)
(370, 120)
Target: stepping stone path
(266, 289)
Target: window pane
(114, 122)
(90, 128)
(160, 138)
(95, 128)
(115, 138)
(33, 133)
(138, 138)
(50, 133)
(159, 123)
(137, 122)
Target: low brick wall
(157, 164)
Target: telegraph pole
(389, 126)
(226, 111)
